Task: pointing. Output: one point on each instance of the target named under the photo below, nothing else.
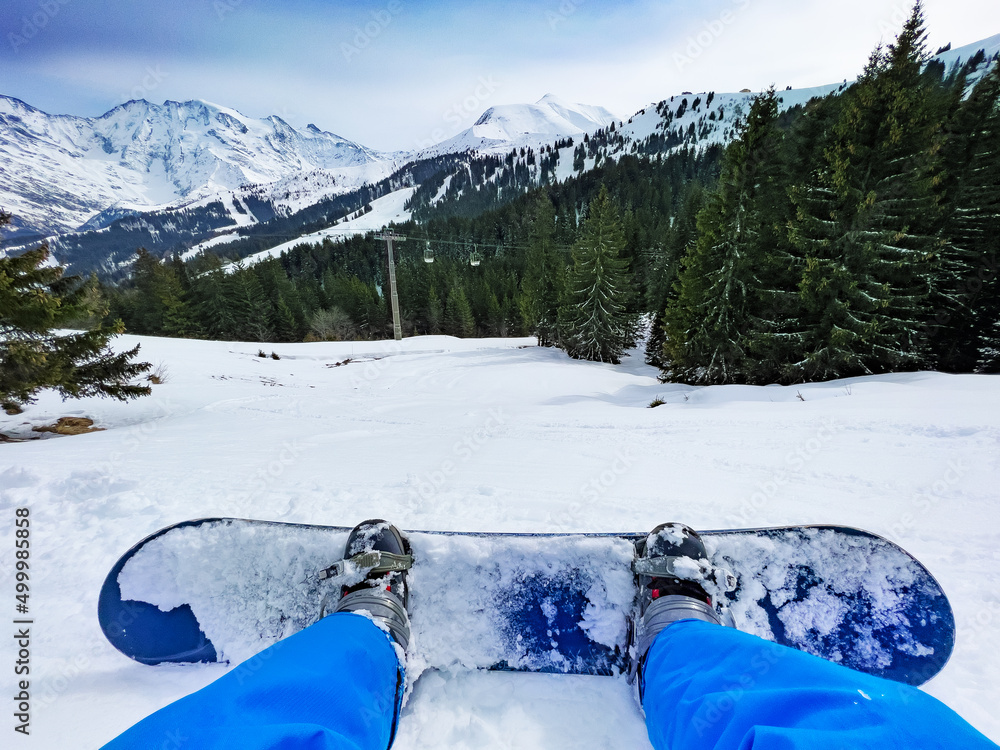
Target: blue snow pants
(337, 684)
(706, 687)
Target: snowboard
(224, 589)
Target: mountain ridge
(505, 126)
(140, 156)
(212, 212)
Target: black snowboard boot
(672, 568)
(377, 548)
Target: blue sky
(393, 74)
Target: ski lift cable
(332, 230)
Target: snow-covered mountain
(687, 119)
(548, 116)
(199, 175)
(61, 175)
(514, 125)
(953, 58)
(58, 172)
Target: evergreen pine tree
(283, 321)
(494, 314)
(458, 314)
(724, 323)
(966, 293)
(160, 305)
(681, 234)
(435, 312)
(810, 136)
(328, 285)
(214, 295)
(251, 311)
(512, 324)
(35, 300)
(989, 349)
(374, 307)
(594, 322)
(864, 225)
(544, 275)
(148, 305)
(179, 318)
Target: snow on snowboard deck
(224, 589)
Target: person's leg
(707, 687)
(335, 685)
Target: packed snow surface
(484, 435)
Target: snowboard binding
(380, 553)
(674, 578)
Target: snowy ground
(483, 435)
(389, 209)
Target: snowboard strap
(376, 561)
(666, 567)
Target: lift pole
(397, 328)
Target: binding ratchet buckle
(666, 567)
(376, 561)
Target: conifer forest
(857, 234)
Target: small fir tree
(544, 277)
(458, 315)
(214, 294)
(283, 321)
(160, 303)
(250, 307)
(595, 322)
(681, 234)
(35, 300)
(435, 311)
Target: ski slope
(389, 209)
(441, 433)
